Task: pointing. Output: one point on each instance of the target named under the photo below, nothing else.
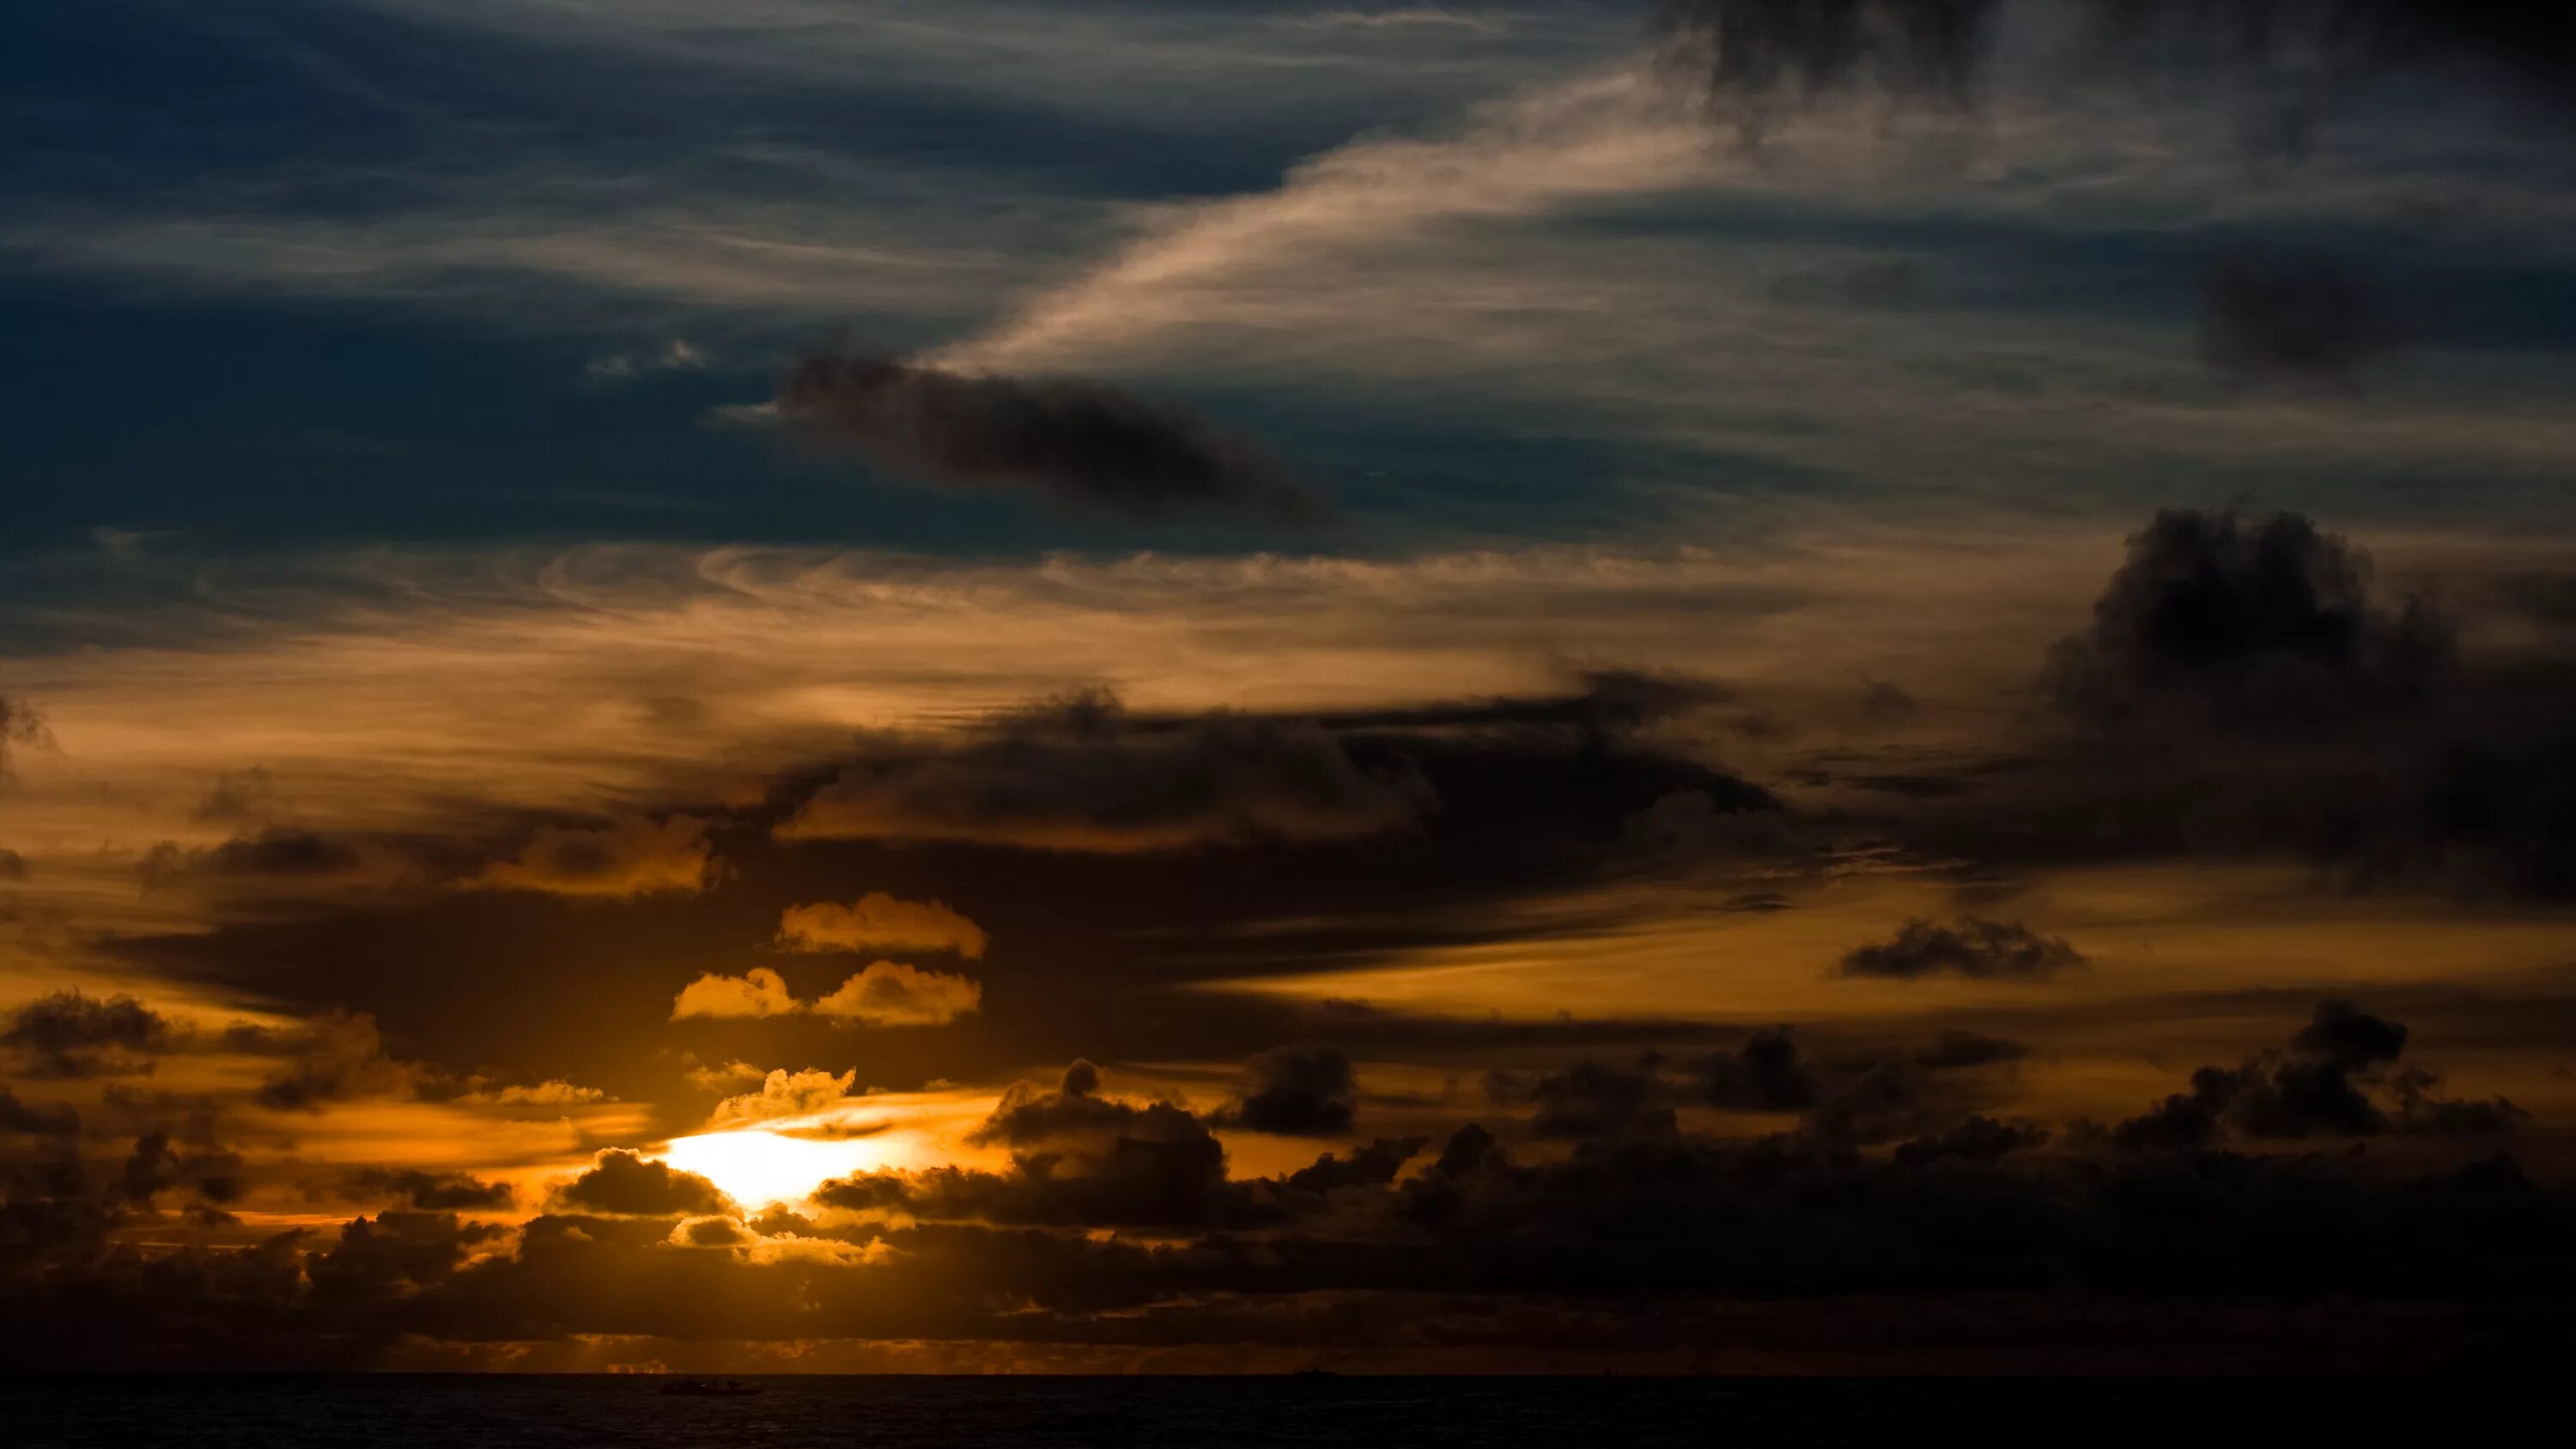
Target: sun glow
(756, 1168)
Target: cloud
(334, 1057)
(628, 857)
(2295, 318)
(1080, 775)
(1978, 1139)
(71, 1034)
(36, 1119)
(889, 993)
(623, 1183)
(1763, 1075)
(1590, 1100)
(1078, 442)
(785, 1094)
(2320, 1086)
(757, 992)
(21, 726)
(880, 922)
(1973, 948)
(2263, 623)
(1296, 1091)
(2292, 59)
(429, 1191)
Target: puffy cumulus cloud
(880, 922)
(1077, 1159)
(428, 1191)
(885, 994)
(630, 856)
(2292, 317)
(1973, 948)
(2261, 624)
(626, 1185)
(71, 1034)
(1081, 775)
(757, 992)
(1296, 1091)
(1077, 442)
(890, 993)
(785, 1094)
(2321, 1085)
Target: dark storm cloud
(2294, 59)
(1590, 1100)
(1374, 1165)
(2320, 1086)
(2293, 318)
(1978, 1139)
(1078, 442)
(1296, 1091)
(1078, 1159)
(624, 1184)
(36, 1119)
(1763, 1075)
(2245, 690)
(1953, 1049)
(1973, 948)
(334, 1057)
(70, 1034)
(1082, 775)
(2248, 623)
(428, 1191)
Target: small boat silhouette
(710, 1388)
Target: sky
(1684, 685)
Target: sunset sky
(1122, 684)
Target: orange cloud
(890, 993)
(880, 922)
(785, 1094)
(758, 992)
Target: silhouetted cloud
(1078, 442)
(429, 1191)
(1082, 776)
(1972, 947)
(2263, 623)
(1296, 1091)
(2292, 60)
(72, 1034)
(1953, 1049)
(2318, 1087)
(623, 1183)
(1763, 1075)
(1589, 1100)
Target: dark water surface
(538, 1412)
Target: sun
(756, 1168)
